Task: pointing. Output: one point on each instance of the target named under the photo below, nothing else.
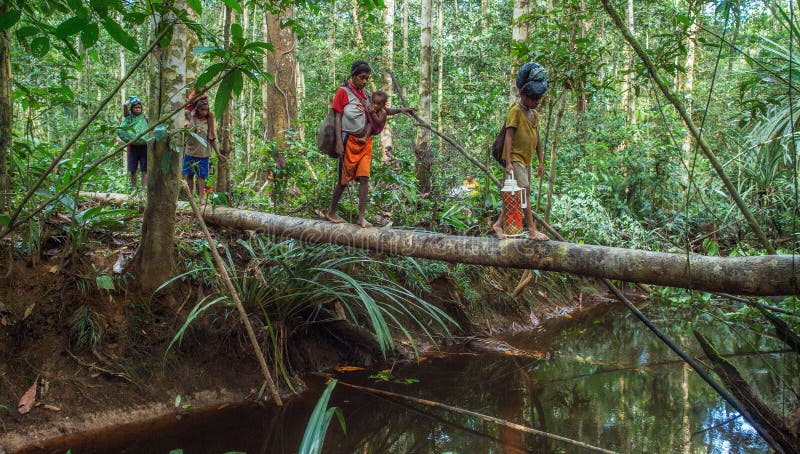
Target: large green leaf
(234, 5)
(40, 46)
(237, 81)
(90, 34)
(224, 94)
(8, 19)
(120, 35)
(78, 8)
(237, 31)
(209, 74)
(70, 27)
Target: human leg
(498, 226)
(363, 194)
(331, 215)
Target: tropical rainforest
(668, 126)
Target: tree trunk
(424, 158)
(519, 34)
(155, 257)
(440, 70)
(6, 114)
(388, 66)
(551, 177)
(753, 275)
(405, 33)
(281, 95)
(628, 94)
(225, 122)
(357, 27)
(688, 84)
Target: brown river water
(610, 383)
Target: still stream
(601, 379)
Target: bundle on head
(133, 100)
(532, 80)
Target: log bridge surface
(755, 275)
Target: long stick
(754, 225)
(235, 295)
(452, 142)
(498, 421)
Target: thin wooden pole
(235, 296)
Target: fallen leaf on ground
(51, 407)
(348, 368)
(28, 399)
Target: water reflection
(613, 385)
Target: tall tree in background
(388, 66)
(628, 92)
(225, 131)
(424, 158)
(281, 94)
(520, 32)
(6, 113)
(155, 258)
(688, 81)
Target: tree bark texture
(6, 114)
(424, 160)
(755, 275)
(281, 95)
(155, 258)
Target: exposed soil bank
(128, 378)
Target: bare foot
(498, 230)
(335, 218)
(536, 235)
(363, 223)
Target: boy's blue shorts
(195, 166)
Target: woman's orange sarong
(356, 161)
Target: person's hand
(509, 167)
(409, 109)
(222, 157)
(339, 148)
(361, 139)
(539, 171)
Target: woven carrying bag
(326, 135)
(497, 147)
